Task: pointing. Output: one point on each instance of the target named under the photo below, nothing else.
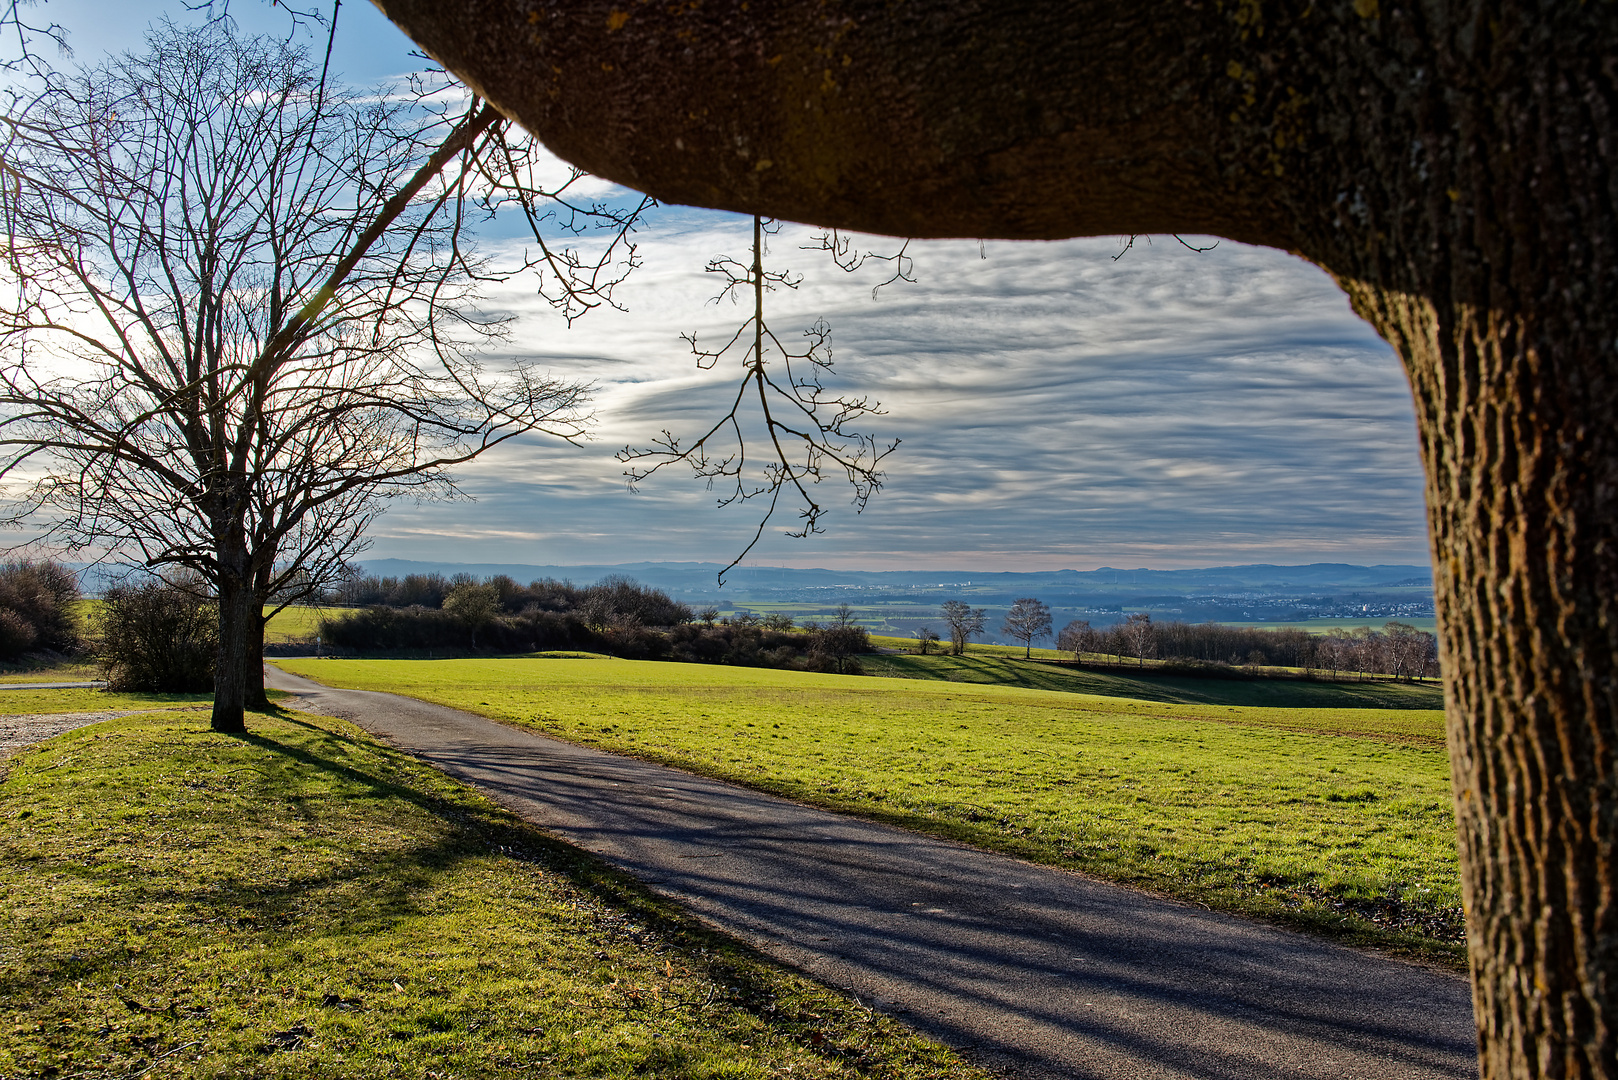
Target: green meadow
(1336, 820)
(305, 902)
(62, 671)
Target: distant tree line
(1397, 650)
(616, 615)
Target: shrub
(828, 649)
(36, 608)
(419, 629)
(16, 634)
(158, 637)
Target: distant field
(1321, 626)
(1337, 820)
(21, 702)
(973, 648)
(298, 623)
(875, 617)
(979, 667)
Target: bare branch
(807, 427)
(849, 260)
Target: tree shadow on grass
(353, 898)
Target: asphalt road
(1040, 972)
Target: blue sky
(1057, 407)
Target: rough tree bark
(236, 617)
(1449, 161)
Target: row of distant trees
(614, 597)
(617, 615)
(1398, 649)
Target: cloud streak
(1057, 407)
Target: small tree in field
(839, 642)
(473, 606)
(1077, 637)
(926, 637)
(1028, 620)
(963, 621)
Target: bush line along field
(304, 902)
(1333, 820)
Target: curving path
(1041, 972)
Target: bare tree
(1140, 635)
(1405, 650)
(963, 621)
(1336, 650)
(1027, 620)
(1077, 637)
(247, 311)
(925, 637)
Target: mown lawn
(1336, 820)
(304, 902)
(1282, 693)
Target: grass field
(998, 670)
(62, 671)
(298, 623)
(304, 902)
(1336, 820)
(1428, 623)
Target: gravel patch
(17, 732)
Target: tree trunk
(1522, 473)
(253, 695)
(236, 620)
(1449, 161)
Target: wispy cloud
(1057, 408)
